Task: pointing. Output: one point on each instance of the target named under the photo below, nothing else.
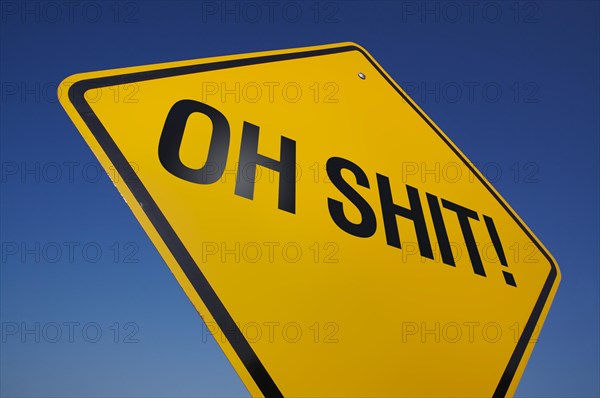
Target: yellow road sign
(332, 237)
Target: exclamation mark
(508, 277)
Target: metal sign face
(332, 237)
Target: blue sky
(514, 84)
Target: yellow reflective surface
(328, 313)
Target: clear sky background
(537, 139)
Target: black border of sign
(203, 288)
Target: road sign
(332, 237)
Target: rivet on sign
(362, 75)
